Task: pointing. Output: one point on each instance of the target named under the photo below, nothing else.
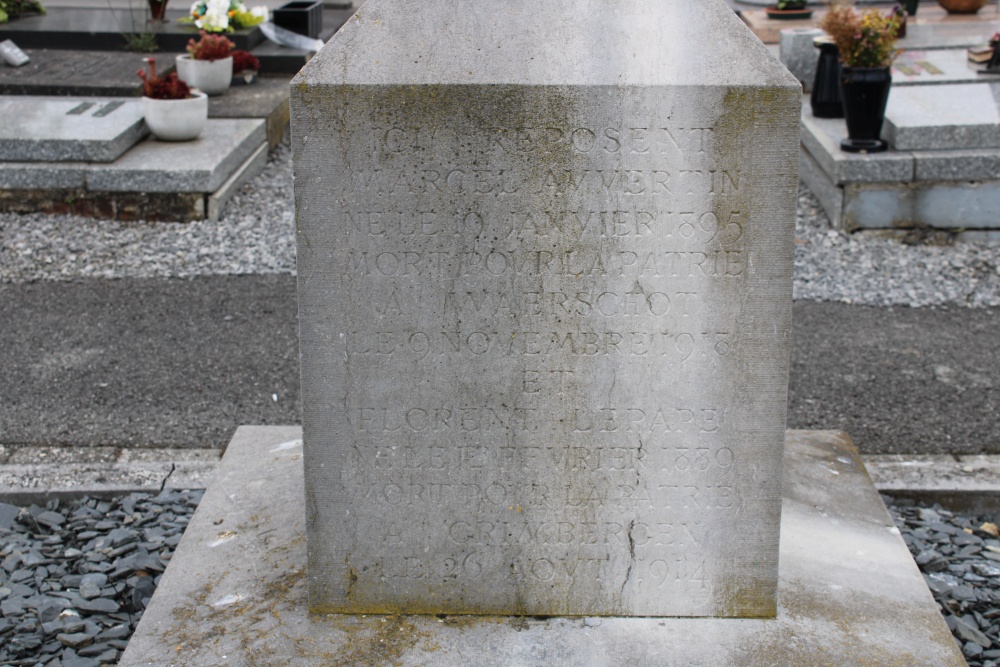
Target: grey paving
(151, 363)
(179, 373)
(846, 578)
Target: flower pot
(910, 6)
(176, 120)
(962, 6)
(788, 14)
(212, 77)
(865, 91)
(302, 16)
(825, 98)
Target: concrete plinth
(235, 591)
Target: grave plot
(942, 169)
(88, 156)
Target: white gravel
(256, 236)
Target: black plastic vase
(866, 92)
(825, 98)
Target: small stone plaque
(544, 286)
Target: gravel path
(256, 236)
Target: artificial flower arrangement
(11, 9)
(225, 15)
(864, 40)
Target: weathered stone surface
(846, 580)
(545, 281)
(60, 129)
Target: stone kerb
(544, 290)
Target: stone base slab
(235, 590)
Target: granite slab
(63, 129)
(235, 590)
(949, 116)
(202, 165)
(99, 73)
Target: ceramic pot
(176, 120)
(962, 6)
(865, 91)
(211, 77)
(825, 98)
(910, 6)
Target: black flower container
(825, 99)
(865, 91)
(302, 16)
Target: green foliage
(140, 42)
(791, 4)
(11, 9)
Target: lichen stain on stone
(380, 641)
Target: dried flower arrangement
(864, 40)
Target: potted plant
(172, 110)
(867, 46)
(789, 9)
(208, 64)
(245, 67)
(910, 6)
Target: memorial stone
(545, 294)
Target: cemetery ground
(131, 352)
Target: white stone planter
(176, 120)
(212, 77)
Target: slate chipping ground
(74, 578)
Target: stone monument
(544, 288)
(545, 295)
